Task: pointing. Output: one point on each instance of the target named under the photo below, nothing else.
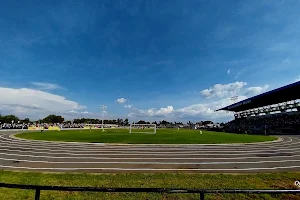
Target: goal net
(142, 128)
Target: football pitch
(163, 136)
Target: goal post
(142, 128)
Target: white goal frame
(133, 125)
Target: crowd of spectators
(16, 125)
(273, 121)
(71, 125)
(13, 126)
(44, 125)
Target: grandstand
(273, 112)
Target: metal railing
(201, 192)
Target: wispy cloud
(45, 86)
(78, 112)
(195, 111)
(228, 71)
(128, 106)
(34, 103)
(252, 91)
(223, 90)
(121, 100)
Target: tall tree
(141, 122)
(53, 119)
(9, 119)
(26, 120)
(126, 122)
(207, 122)
(164, 122)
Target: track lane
(30, 155)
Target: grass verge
(161, 180)
(163, 136)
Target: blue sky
(175, 60)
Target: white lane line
(63, 148)
(156, 163)
(122, 144)
(16, 141)
(145, 154)
(161, 147)
(152, 158)
(200, 151)
(12, 136)
(231, 144)
(103, 144)
(146, 169)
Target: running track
(29, 155)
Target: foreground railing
(201, 192)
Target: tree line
(15, 119)
(119, 121)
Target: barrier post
(201, 195)
(37, 194)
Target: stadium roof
(283, 94)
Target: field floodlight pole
(103, 107)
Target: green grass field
(164, 180)
(163, 136)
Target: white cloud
(128, 106)
(73, 111)
(228, 71)
(200, 111)
(207, 110)
(121, 100)
(223, 90)
(45, 86)
(165, 111)
(204, 111)
(34, 103)
(152, 112)
(72, 114)
(78, 112)
(252, 91)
